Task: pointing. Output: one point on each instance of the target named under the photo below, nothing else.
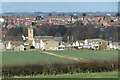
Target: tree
(117, 14)
(58, 34)
(75, 17)
(111, 20)
(33, 23)
(84, 14)
(32, 47)
(71, 17)
(49, 14)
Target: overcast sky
(59, 6)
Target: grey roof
(59, 39)
(43, 37)
(116, 43)
(15, 43)
(96, 40)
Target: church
(32, 42)
(41, 42)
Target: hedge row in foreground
(58, 68)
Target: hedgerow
(58, 68)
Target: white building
(114, 46)
(61, 47)
(76, 44)
(8, 46)
(42, 45)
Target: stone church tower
(30, 34)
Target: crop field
(99, 55)
(30, 57)
(34, 57)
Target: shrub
(59, 68)
(32, 47)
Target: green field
(81, 76)
(34, 57)
(30, 57)
(84, 75)
(100, 55)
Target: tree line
(78, 32)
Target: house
(76, 44)
(94, 44)
(81, 44)
(19, 48)
(37, 45)
(49, 45)
(42, 45)
(12, 45)
(97, 44)
(103, 45)
(11, 26)
(62, 46)
(1, 20)
(68, 46)
(114, 46)
(9, 46)
(2, 46)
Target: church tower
(30, 34)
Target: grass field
(30, 57)
(34, 57)
(100, 55)
(81, 76)
(84, 75)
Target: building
(2, 46)
(94, 44)
(114, 46)
(62, 47)
(97, 44)
(42, 42)
(19, 48)
(30, 34)
(49, 45)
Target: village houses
(56, 43)
(32, 42)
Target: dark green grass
(30, 57)
(99, 55)
(84, 75)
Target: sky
(59, 0)
(59, 7)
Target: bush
(32, 47)
(59, 68)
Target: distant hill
(57, 13)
